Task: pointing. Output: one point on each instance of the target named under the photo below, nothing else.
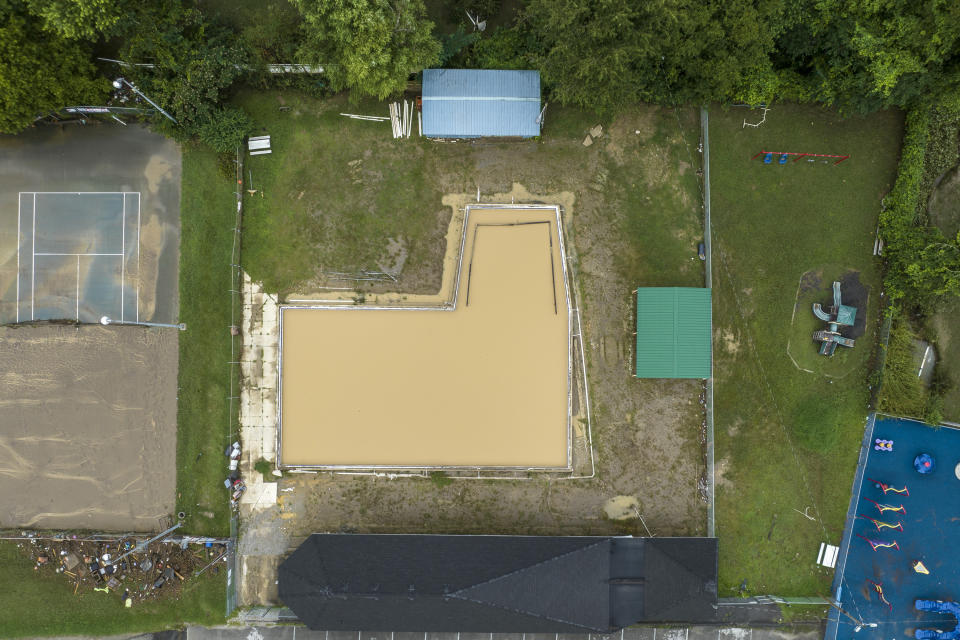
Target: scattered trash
(597, 131)
(587, 141)
(97, 565)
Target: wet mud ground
(87, 427)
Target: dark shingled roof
(498, 583)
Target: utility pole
(120, 82)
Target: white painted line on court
(75, 193)
(138, 257)
(78, 288)
(33, 267)
(123, 250)
(19, 198)
(42, 253)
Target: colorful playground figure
(879, 544)
(924, 463)
(938, 606)
(885, 487)
(839, 315)
(919, 567)
(767, 159)
(880, 525)
(886, 507)
(878, 587)
(882, 445)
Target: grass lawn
(787, 439)
(333, 193)
(46, 606)
(203, 421)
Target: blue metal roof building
(477, 103)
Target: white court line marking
(123, 250)
(42, 253)
(33, 267)
(137, 290)
(78, 288)
(76, 193)
(19, 198)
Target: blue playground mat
(931, 534)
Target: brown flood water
(483, 385)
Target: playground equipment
(938, 606)
(924, 463)
(839, 315)
(884, 486)
(881, 525)
(919, 567)
(768, 156)
(878, 587)
(887, 507)
(883, 445)
(879, 544)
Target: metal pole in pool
(105, 320)
(119, 82)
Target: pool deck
(931, 528)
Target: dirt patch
(622, 507)
(87, 427)
(720, 470)
(728, 339)
(811, 281)
(855, 294)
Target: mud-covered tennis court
(89, 226)
(89, 424)
(482, 381)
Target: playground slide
(820, 313)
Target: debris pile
(108, 566)
(234, 483)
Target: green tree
(866, 55)
(368, 46)
(79, 19)
(40, 72)
(604, 54)
(196, 63)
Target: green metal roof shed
(674, 330)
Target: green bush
(225, 129)
(902, 391)
(922, 265)
(265, 469)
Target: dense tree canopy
(79, 19)
(40, 72)
(368, 46)
(867, 55)
(607, 53)
(195, 64)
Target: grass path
(203, 418)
